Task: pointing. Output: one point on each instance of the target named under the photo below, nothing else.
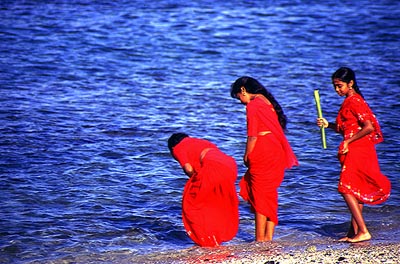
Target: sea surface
(90, 91)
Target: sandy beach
(265, 253)
(273, 253)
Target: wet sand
(272, 253)
(266, 253)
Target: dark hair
(175, 139)
(347, 75)
(255, 87)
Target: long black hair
(347, 75)
(255, 87)
(175, 139)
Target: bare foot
(360, 237)
(343, 239)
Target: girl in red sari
(267, 154)
(361, 180)
(210, 204)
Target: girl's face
(243, 96)
(343, 88)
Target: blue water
(90, 91)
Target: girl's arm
(332, 126)
(251, 142)
(367, 128)
(188, 169)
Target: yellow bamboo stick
(319, 110)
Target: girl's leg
(362, 234)
(353, 229)
(261, 223)
(264, 228)
(269, 231)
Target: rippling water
(90, 93)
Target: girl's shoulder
(355, 101)
(358, 106)
(356, 98)
(259, 102)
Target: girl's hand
(188, 169)
(322, 122)
(344, 147)
(367, 128)
(250, 144)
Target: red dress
(270, 157)
(360, 174)
(210, 203)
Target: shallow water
(90, 93)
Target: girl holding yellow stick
(361, 181)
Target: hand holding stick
(319, 110)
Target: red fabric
(353, 112)
(210, 204)
(262, 117)
(259, 186)
(360, 174)
(270, 157)
(189, 150)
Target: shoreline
(274, 252)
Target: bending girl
(210, 203)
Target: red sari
(270, 157)
(210, 204)
(360, 174)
